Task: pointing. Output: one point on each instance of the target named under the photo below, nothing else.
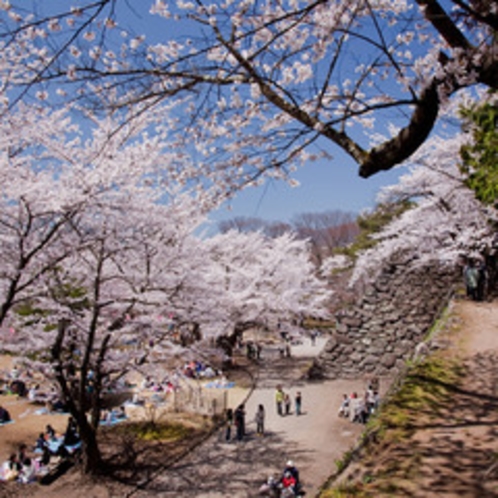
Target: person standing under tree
(240, 422)
(279, 399)
(471, 276)
(260, 420)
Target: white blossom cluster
(446, 222)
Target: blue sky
(324, 186)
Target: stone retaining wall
(381, 331)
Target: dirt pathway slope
(452, 450)
(461, 448)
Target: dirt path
(461, 448)
(314, 441)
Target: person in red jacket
(288, 481)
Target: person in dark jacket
(4, 415)
(240, 421)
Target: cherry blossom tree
(99, 230)
(446, 221)
(136, 262)
(34, 215)
(266, 280)
(52, 168)
(111, 292)
(75, 206)
(266, 85)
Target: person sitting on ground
(292, 469)
(27, 473)
(22, 456)
(59, 406)
(288, 484)
(18, 387)
(344, 408)
(11, 468)
(49, 432)
(71, 436)
(120, 413)
(270, 487)
(4, 415)
(15, 373)
(44, 459)
(33, 393)
(40, 443)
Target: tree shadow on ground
(230, 469)
(453, 450)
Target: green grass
(425, 390)
(157, 432)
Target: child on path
(298, 401)
(260, 420)
(344, 408)
(287, 403)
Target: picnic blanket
(220, 385)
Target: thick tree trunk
(228, 342)
(91, 456)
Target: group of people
(284, 403)
(198, 370)
(253, 350)
(235, 418)
(287, 485)
(19, 467)
(22, 383)
(26, 466)
(360, 408)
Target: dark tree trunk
(91, 456)
(228, 342)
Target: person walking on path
(313, 337)
(279, 399)
(298, 402)
(240, 422)
(260, 420)
(228, 424)
(471, 275)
